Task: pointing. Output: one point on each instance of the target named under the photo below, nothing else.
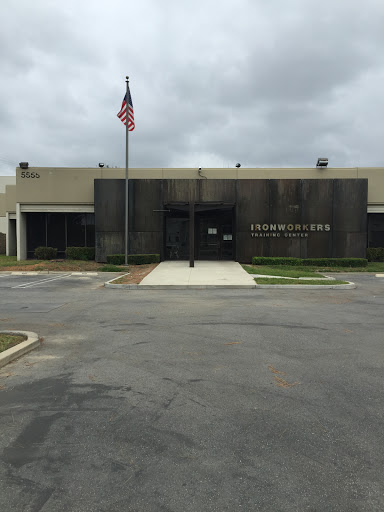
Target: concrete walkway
(205, 274)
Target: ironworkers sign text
(286, 230)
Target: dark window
(56, 232)
(90, 229)
(75, 230)
(36, 232)
(375, 230)
(60, 230)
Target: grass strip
(281, 271)
(276, 280)
(10, 340)
(373, 266)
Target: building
(205, 214)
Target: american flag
(122, 115)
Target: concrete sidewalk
(205, 274)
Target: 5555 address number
(26, 174)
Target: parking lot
(193, 400)
(54, 280)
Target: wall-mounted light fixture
(238, 165)
(101, 164)
(23, 165)
(322, 162)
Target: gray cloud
(264, 83)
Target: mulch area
(136, 274)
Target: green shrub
(258, 260)
(313, 262)
(45, 253)
(80, 253)
(143, 259)
(116, 259)
(375, 253)
(113, 268)
(335, 262)
(133, 259)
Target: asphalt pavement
(192, 400)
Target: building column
(10, 241)
(21, 234)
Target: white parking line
(84, 273)
(41, 281)
(24, 273)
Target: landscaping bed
(309, 271)
(10, 263)
(136, 274)
(10, 340)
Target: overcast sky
(267, 83)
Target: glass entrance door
(214, 235)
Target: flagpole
(126, 176)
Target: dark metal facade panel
(350, 204)
(176, 191)
(109, 217)
(308, 205)
(284, 246)
(317, 201)
(285, 201)
(217, 190)
(349, 245)
(109, 205)
(318, 245)
(108, 242)
(252, 203)
(146, 242)
(145, 197)
(321, 224)
(247, 247)
(317, 208)
(252, 207)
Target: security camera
(238, 165)
(199, 168)
(101, 164)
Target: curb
(32, 342)
(349, 286)
(109, 284)
(176, 286)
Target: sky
(272, 83)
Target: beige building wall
(66, 186)
(10, 198)
(72, 189)
(3, 212)
(3, 209)
(4, 181)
